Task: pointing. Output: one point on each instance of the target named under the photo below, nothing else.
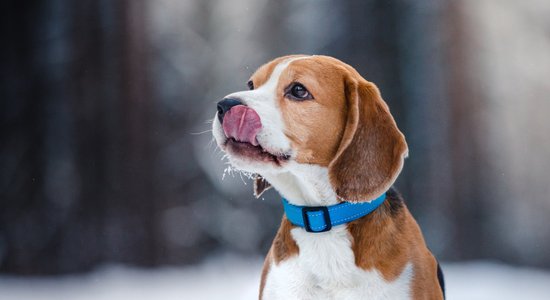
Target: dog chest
(325, 269)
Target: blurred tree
(77, 153)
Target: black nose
(225, 105)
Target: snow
(235, 277)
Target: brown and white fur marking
(338, 143)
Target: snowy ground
(230, 277)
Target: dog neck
(304, 185)
(309, 185)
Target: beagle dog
(321, 135)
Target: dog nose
(225, 105)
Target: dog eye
(250, 84)
(297, 91)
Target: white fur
(325, 269)
(325, 266)
(303, 184)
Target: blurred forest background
(106, 156)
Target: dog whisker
(211, 142)
(202, 132)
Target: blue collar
(322, 218)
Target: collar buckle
(321, 209)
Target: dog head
(312, 110)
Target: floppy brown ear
(372, 150)
(260, 185)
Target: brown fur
(372, 151)
(315, 127)
(284, 245)
(264, 72)
(304, 126)
(282, 248)
(267, 266)
(348, 128)
(387, 241)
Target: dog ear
(260, 185)
(371, 153)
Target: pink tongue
(242, 124)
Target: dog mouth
(254, 152)
(241, 126)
